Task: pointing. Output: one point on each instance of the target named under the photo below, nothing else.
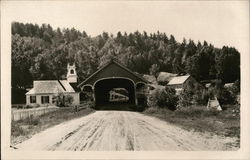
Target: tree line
(41, 52)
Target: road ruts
(121, 131)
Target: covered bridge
(114, 75)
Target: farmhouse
(179, 82)
(43, 91)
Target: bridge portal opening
(118, 95)
(114, 91)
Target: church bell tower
(71, 75)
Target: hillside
(41, 52)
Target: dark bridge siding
(113, 75)
(110, 71)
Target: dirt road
(121, 130)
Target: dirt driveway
(122, 130)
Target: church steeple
(71, 75)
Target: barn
(179, 82)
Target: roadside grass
(198, 118)
(23, 129)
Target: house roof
(51, 86)
(228, 85)
(150, 78)
(156, 86)
(165, 76)
(178, 80)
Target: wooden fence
(18, 114)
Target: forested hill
(41, 52)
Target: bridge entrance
(114, 84)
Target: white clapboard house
(43, 91)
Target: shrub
(224, 95)
(35, 105)
(33, 121)
(192, 93)
(236, 87)
(164, 98)
(151, 110)
(62, 100)
(16, 130)
(68, 100)
(28, 106)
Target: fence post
(20, 115)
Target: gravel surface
(121, 131)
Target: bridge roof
(112, 70)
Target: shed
(179, 82)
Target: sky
(218, 22)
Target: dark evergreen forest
(41, 52)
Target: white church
(43, 91)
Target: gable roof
(108, 64)
(51, 86)
(178, 80)
(228, 85)
(150, 78)
(165, 76)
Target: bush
(62, 100)
(224, 95)
(192, 93)
(164, 98)
(31, 106)
(151, 110)
(33, 121)
(17, 130)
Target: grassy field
(198, 118)
(24, 129)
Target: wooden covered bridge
(114, 75)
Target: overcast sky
(217, 22)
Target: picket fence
(19, 114)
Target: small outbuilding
(164, 77)
(179, 82)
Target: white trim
(141, 82)
(113, 78)
(86, 86)
(125, 68)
